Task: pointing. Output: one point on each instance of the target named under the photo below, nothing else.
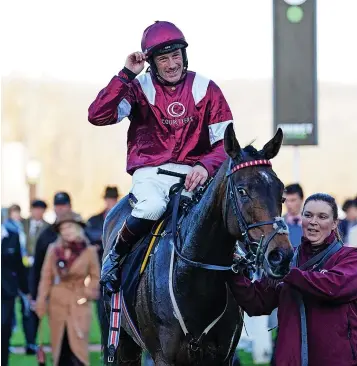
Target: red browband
(250, 163)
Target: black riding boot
(132, 230)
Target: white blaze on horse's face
(266, 177)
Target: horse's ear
(231, 144)
(271, 148)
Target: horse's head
(253, 203)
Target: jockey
(177, 122)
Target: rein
(258, 255)
(279, 226)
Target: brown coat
(69, 301)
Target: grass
(22, 360)
(18, 339)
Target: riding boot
(132, 230)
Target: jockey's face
(170, 66)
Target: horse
(186, 314)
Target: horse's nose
(275, 258)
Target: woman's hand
(40, 308)
(92, 293)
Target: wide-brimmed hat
(68, 217)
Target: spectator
(62, 205)
(352, 237)
(94, 229)
(69, 280)
(350, 208)
(14, 224)
(294, 198)
(95, 223)
(13, 279)
(33, 226)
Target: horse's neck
(205, 237)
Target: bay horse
(186, 314)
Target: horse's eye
(242, 192)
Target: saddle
(137, 260)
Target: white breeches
(152, 190)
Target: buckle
(111, 351)
(235, 268)
(194, 346)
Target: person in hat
(95, 225)
(62, 205)
(69, 281)
(177, 122)
(96, 222)
(32, 227)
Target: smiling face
(318, 221)
(170, 66)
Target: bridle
(258, 257)
(256, 250)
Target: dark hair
(295, 188)
(38, 204)
(330, 201)
(348, 204)
(13, 208)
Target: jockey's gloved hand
(110, 274)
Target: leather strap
(176, 236)
(115, 324)
(316, 262)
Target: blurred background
(57, 56)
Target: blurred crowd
(55, 269)
(57, 262)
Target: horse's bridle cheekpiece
(257, 250)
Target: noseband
(257, 250)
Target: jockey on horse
(177, 122)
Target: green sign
(295, 75)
